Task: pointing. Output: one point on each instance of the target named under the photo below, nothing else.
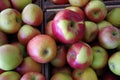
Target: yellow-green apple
(103, 24)
(33, 76)
(4, 4)
(10, 20)
(32, 14)
(42, 48)
(28, 65)
(60, 59)
(84, 74)
(109, 37)
(78, 3)
(59, 1)
(20, 4)
(70, 28)
(80, 55)
(27, 32)
(3, 38)
(100, 57)
(77, 10)
(61, 76)
(91, 31)
(96, 10)
(10, 75)
(114, 63)
(10, 57)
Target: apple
(10, 57)
(32, 14)
(80, 55)
(114, 63)
(60, 59)
(42, 48)
(100, 57)
(77, 10)
(95, 10)
(59, 1)
(3, 38)
(28, 65)
(33, 76)
(1, 71)
(20, 4)
(10, 20)
(10, 75)
(4, 4)
(91, 31)
(109, 37)
(78, 3)
(27, 32)
(68, 29)
(61, 76)
(113, 17)
(85, 74)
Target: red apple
(59, 1)
(96, 11)
(3, 38)
(1, 71)
(109, 37)
(70, 28)
(42, 48)
(33, 76)
(80, 55)
(26, 33)
(4, 4)
(32, 14)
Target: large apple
(33, 76)
(109, 37)
(3, 38)
(27, 32)
(10, 57)
(80, 55)
(42, 48)
(96, 10)
(68, 28)
(4, 4)
(59, 1)
(10, 75)
(10, 20)
(20, 4)
(32, 14)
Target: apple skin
(32, 14)
(91, 31)
(78, 3)
(42, 48)
(59, 2)
(1, 71)
(10, 21)
(4, 4)
(27, 32)
(3, 38)
(96, 11)
(114, 63)
(100, 57)
(33, 76)
(10, 57)
(68, 29)
(85, 74)
(79, 55)
(28, 65)
(20, 4)
(109, 37)
(10, 75)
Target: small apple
(3, 38)
(33, 76)
(70, 28)
(10, 57)
(109, 37)
(80, 55)
(10, 75)
(27, 32)
(32, 14)
(42, 48)
(96, 10)
(4, 4)
(59, 1)
(10, 20)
